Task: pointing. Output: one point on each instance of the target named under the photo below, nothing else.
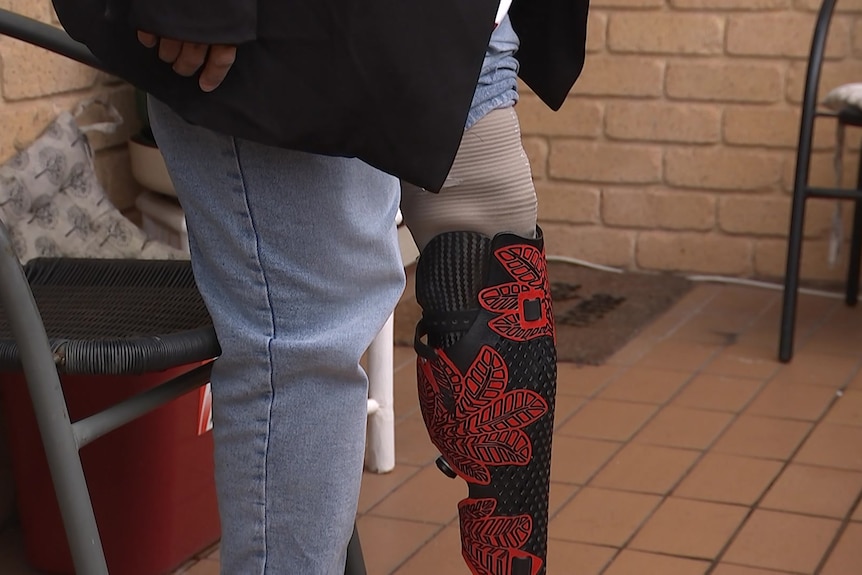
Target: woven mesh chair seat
(116, 316)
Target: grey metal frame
(63, 439)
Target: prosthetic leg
(487, 379)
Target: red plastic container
(151, 481)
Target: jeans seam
(244, 187)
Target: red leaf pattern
(527, 266)
(472, 419)
(490, 542)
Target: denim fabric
(498, 82)
(297, 258)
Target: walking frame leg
(49, 404)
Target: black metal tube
(851, 295)
(800, 185)
(46, 36)
(355, 560)
(831, 193)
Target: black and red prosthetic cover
(487, 380)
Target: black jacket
(387, 81)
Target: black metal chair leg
(852, 295)
(791, 278)
(800, 187)
(852, 292)
(355, 561)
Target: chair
(43, 356)
(802, 191)
(380, 443)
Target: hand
(188, 57)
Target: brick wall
(675, 151)
(34, 86)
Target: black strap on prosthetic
(487, 377)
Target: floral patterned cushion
(844, 96)
(53, 205)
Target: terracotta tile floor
(691, 452)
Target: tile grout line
(842, 529)
(664, 497)
(422, 546)
(756, 505)
(623, 444)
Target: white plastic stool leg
(380, 442)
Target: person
(286, 127)
(486, 358)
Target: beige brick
(781, 34)
(54, 18)
(857, 38)
(729, 81)
(626, 4)
(113, 172)
(819, 216)
(666, 33)
(841, 6)
(597, 26)
(537, 152)
(729, 4)
(596, 244)
(722, 169)
(758, 216)
(834, 74)
(770, 260)
(570, 203)
(759, 126)
(628, 76)
(22, 123)
(770, 215)
(692, 252)
(663, 122)
(30, 72)
(41, 10)
(577, 117)
(639, 208)
(601, 162)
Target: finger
(219, 62)
(191, 58)
(169, 50)
(147, 39)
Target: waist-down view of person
(296, 256)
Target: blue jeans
(498, 81)
(297, 259)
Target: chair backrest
(812, 83)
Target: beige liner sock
(489, 189)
